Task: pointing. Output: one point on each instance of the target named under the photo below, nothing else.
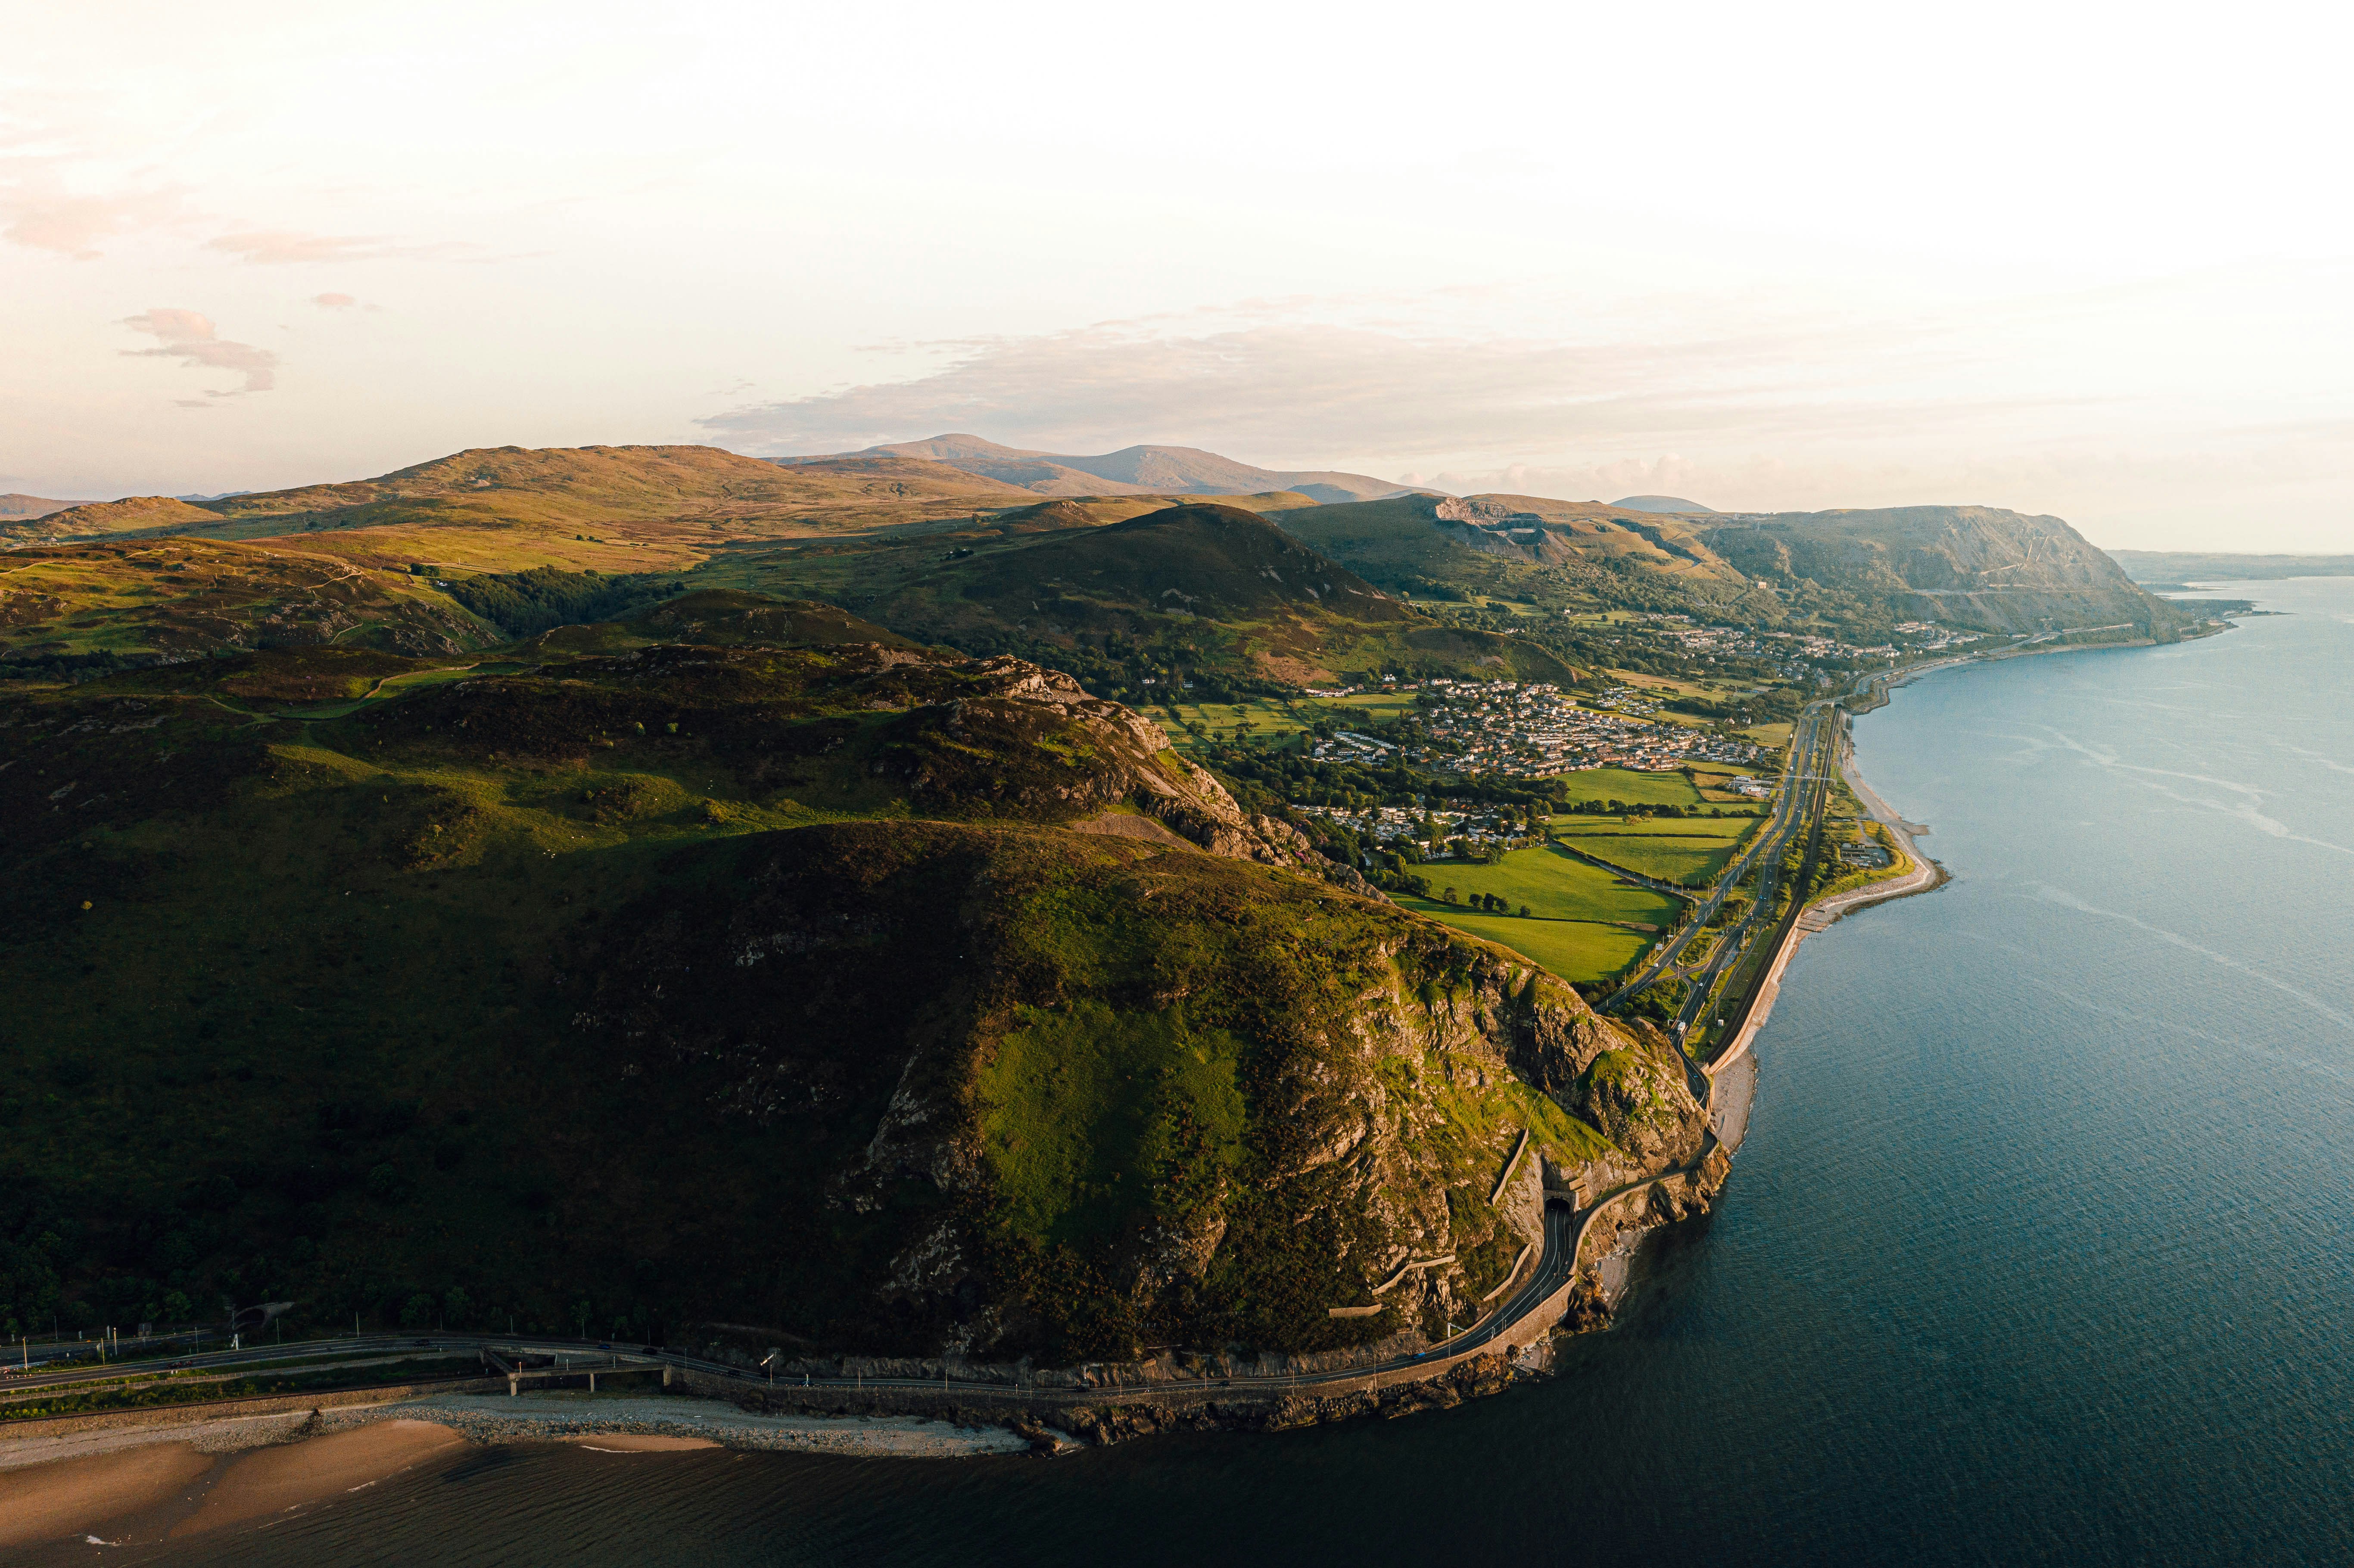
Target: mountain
(97, 519)
(16, 507)
(1860, 571)
(1131, 470)
(1660, 503)
(672, 490)
(384, 562)
(1198, 588)
(1975, 567)
(2207, 566)
(892, 1001)
(1449, 546)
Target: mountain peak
(1663, 503)
(1142, 470)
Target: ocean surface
(2041, 1245)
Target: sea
(2040, 1246)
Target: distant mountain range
(1663, 503)
(1131, 470)
(20, 508)
(951, 540)
(2206, 565)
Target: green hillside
(884, 997)
(1174, 593)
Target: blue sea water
(2041, 1247)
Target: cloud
(37, 210)
(189, 336)
(1305, 393)
(334, 301)
(2043, 404)
(280, 247)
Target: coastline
(906, 1423)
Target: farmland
(1574, 909)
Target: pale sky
(2093, 261)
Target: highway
(1809, 789)
(1804, 763)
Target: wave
(2067, 900)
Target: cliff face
(1085, 1094)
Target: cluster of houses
(1929, 639)
(1532, 728)
(1794, 653)
(1434, 831)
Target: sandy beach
(66, 1497)
(149, 1490)
(268, 1483)
(149, 1482)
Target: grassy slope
(1585, 557)
(173, 598)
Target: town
(1535, 729)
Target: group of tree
(522, 604)
(1484, 903)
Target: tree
(1524, 911)
(1446, 895)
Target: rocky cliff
(1093, 1094)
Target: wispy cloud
(284, 247)
(190, 337)
(1308, 391)
(38, 210)
(1787, 408)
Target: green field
(1570, 904)
(1275, 717)
(1268, 717)
(1365, 707)
(1625, 784)
(1691, 851)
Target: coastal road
(1812, 792)
(1564, 1233)
(1799, 808)
(1770, 840)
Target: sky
(2092, 262)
